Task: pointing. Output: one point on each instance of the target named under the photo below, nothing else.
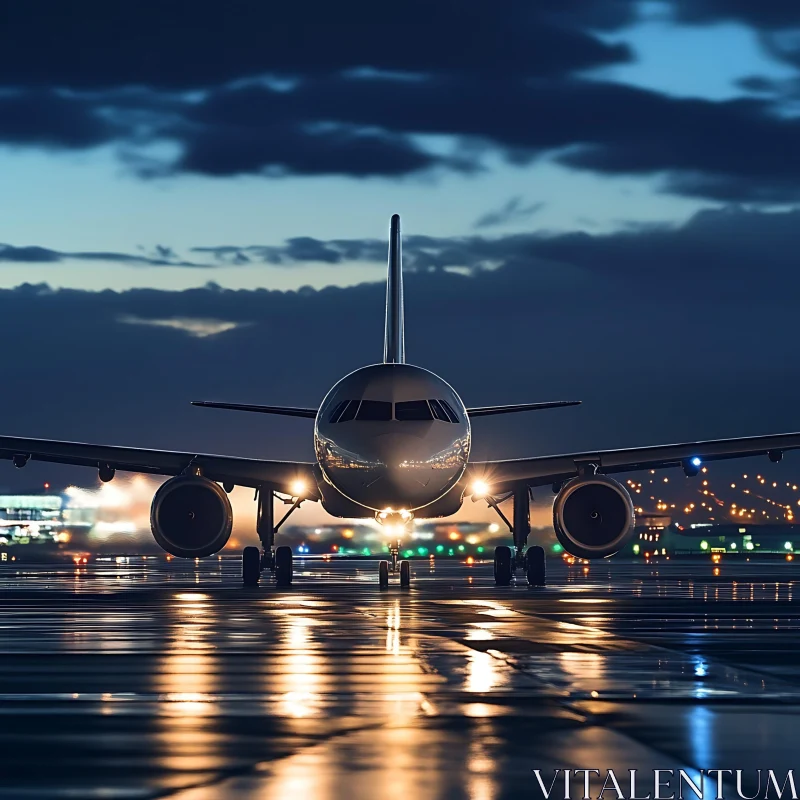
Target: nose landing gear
(395, 523)
(394, 565)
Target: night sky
(600, 201)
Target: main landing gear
(278, 561)
(508, 560)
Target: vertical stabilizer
(394, 348)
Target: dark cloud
(603, 127)
(179, 45)
(729, 240)
(280, 149)
(713, 243)
(665, 333)
(512, 211)
(163, 257)
(45, 118)
(758, 84)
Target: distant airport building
(658, 535)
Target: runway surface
(167, 679)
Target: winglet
(394, 349)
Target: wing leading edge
(486, 411)
(542, 470)
(286, 411)
(226, 469)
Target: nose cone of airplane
(395, 470)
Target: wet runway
(166, 679)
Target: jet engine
(191, 516)
(593, 516)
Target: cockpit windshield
(374, 411)
(384, 411)
(412, 411)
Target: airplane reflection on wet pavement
(150, 678)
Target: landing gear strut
(279, 562)
(508, 560)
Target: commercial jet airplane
(392, 441)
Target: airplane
(392, 442)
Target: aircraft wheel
(251, 566)
(383, 574)
(283, 565)
(503, 565)
(536, 566)
(405, 574)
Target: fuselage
(392, 436)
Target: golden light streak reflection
(186, 680)
(300, 682)
(587, 669)
(481, 784)
(480, 631)
(393, 629)
(482, 672)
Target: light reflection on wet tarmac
(153, 678)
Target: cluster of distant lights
(439, 549)
(712, 504)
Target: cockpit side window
(349, 412)
(412, 410)
(438, 411)
(449, 411)
(337, 412)
(374, 411)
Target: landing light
(298, 488)
(480, 488)
(696, 462)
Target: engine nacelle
(593, 516)
(191, 517)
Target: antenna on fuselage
(394, 348)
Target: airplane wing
(539, 471)
(286, 411)
(486, 411)
(278, 475)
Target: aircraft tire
(503, 569)
(251, 567)
(283, 565)
(536, 566)
(405, 574)
(383, 574)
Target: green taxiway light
(423, 551)
(557, 548)
(704, 545)
(439, 548)
(480, 549)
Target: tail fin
(394, 348)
